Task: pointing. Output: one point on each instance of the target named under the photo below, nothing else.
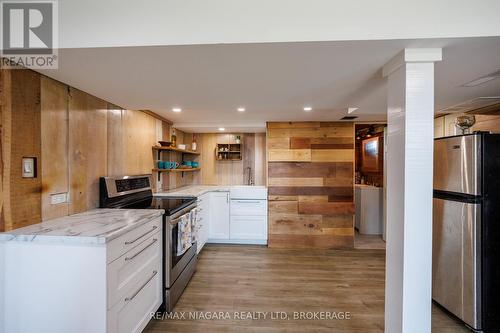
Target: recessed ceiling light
(176, 109)
(241, 109)
(307, 108)
(222, 129)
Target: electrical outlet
(58, 198)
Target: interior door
(456, 262)
(219, 211)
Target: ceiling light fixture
(176, 110)
(307, 108)
(241, 109)
(351, 110)
(222, 129)
(482, 79)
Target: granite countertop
(97, 226)
(192, 191)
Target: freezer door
(456, 261)
(457, 164)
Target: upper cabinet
(229, 147)
(371, 154)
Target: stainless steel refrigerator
(466, 228)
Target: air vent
(475, 105)
(348, 118)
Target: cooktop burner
(171, 205)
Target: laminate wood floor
(250, 279)
(368, 242)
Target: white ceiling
(273, 81)
(111, 23)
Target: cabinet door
(219, 215)
(249, 227)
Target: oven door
(174, 262)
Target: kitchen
(188, 193)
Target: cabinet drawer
(248, 207)
(124, 243)
(126, 273)
(132, 312)
(248, 228)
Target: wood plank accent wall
(20, 108)
(311, 184)
(215, 172)
(54, 141)
(87, 158)
(76, 139)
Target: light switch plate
(58, 198)
(29, 167)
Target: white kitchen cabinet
(219, 216)
(83, 284)
(247, 229)
(203, 220)
(248, 223)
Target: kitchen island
(97, 271)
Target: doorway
(369, 190)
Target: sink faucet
(249, 179)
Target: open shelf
(181, 171)
(184, 151)
(228, 152)
(177, 170)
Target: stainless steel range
(135, 192)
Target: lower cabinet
(133, 312)
(247, 228)
(238, 221)
(82, 287)
(134, 284)
(219, 216)
(203, 220)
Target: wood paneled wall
(445, 125)
(311, 187)
(215, 172)
(20, 137)
(76, 139)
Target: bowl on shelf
(171, 165)
(165, 143)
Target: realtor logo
(29, 34)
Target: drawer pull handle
(144, 249)
(128, 299)
(247, 202)
(135, 240)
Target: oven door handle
(177, 220)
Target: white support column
(410, 114)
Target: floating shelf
(181, 171)
(184, 151)
(177, 170)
